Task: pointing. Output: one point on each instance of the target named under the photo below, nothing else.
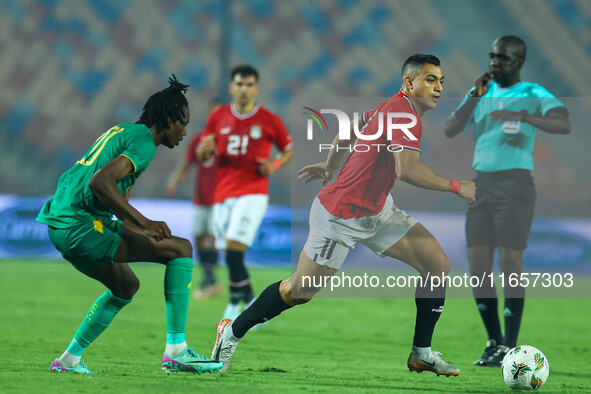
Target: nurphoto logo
(344, 123)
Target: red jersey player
(203, 200)
(240, 135)
(358, 208)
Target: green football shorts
(88, 245)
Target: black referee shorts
(503, 211)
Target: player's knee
(133, 287)
(439, 265)
(183, 248)
(127, 288)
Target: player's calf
(267, 306)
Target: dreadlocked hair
(165, 106)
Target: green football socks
(177, 288)
(99, 316)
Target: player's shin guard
(99, 316)
(177, 287)
(429, 307)
(513, 312)
(488, 308)
(240, 289)
(268, 305)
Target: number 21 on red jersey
(237, 145)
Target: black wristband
(524, 114)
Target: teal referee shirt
(507, 145)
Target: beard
(168, 143)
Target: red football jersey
(206, 173)
(240, 140)
(366, 178)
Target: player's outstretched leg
(97, 319)
(421, 250)
(275, 299)
(124, 283)
(268, 305)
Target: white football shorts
(203, 223)
(331, 238)
(238, 219)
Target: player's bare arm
(554, 122)
(410, 170)
(456, 122)
(268, 167)
(206, 148)
(176, 178)
(104, 185)
(327, 170)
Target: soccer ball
(525, 368)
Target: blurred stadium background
(71, 69)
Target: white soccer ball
(525, 368)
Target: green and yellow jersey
(74, 202)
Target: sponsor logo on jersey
(256, 132)
(225, 130)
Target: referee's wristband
(276, 164)
(454, 186)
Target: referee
(506, 113)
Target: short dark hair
(165, 106)
(244, 70)
(418, 60)
(517, 42)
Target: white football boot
(431, 362)
(225, 344)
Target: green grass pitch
(328, 345)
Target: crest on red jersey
(256, 132)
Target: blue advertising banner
(20, 234)
(555, 244)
